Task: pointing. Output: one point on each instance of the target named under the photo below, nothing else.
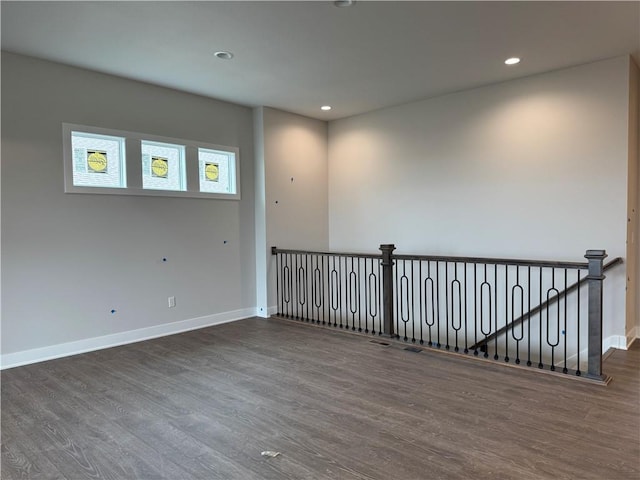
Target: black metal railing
(541, 314)
(339, 289)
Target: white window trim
(133, 165)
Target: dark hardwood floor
(205, 404)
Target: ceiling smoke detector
(344, 3)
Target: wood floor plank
(20, 462)
(206, 403)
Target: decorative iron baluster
(325, 263)
(296, 286)
(377, 300)
(517, 339)
(475, 309)
(412, 303)
(333, 282)
(341, 274)
(506, 311)
(353, 288)
(540, 364)
(529, 316)
(306, 286)
(438, 344)
(557, 342)
(429, 282)
(446, 301)
(578, 372)
(564, 331)
(420, 295)
(287, 284)
(457, 283)
(359, 298)
(302, 298)
(396, 314)
(317, 289)
(466, 330)
(278, 299)
(369, 293)
(485, 332)
(495, 297)
(403, 299)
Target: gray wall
(531, 168)
(68, 260)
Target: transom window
(104, 161)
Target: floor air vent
(413, 349)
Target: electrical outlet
(172, 302)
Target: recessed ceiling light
(512, 61)
(223, 55)
(325, 107)
(344, 3)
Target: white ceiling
(297, 56)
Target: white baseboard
(35, 355)
(614, 341)
(266, 314)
